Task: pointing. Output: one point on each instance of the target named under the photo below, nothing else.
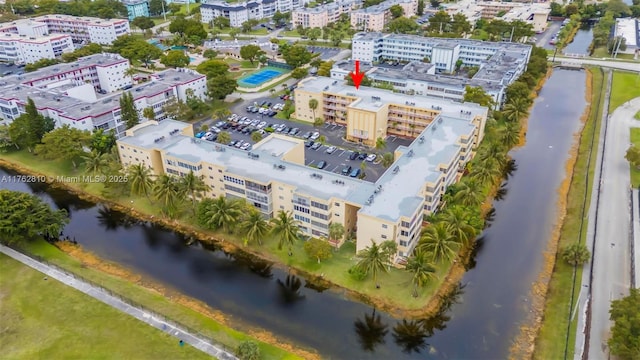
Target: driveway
(545, 37)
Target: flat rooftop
(31, 39)
(629, 29)
(418, 164)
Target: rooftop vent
(378, 189)
(85, 108)
(410, 153)
(396, 169)
(254, 156)
(176, 78)
(375, 98)
(106, 101)
(421, 139)
(158, 139)
(219, 148)
(174, 131)
(339, 182)
(279, 167)
(439, 120)
(316, 176)
(335, 83)
(326, 88)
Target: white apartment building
(86, 94)
(81, 29)
(534, 13)
(323, 15)
(239, 12)
(375, 18)
(23, 49)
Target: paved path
(100, 294)
(629, 65)
(609, 232)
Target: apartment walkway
(102, 295)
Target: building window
(403, 243)
(336, 204)
(383, 236)
(384, 226)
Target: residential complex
(321, 16)
(629, 29)
(86, 94)
(534, 13)
(23, 49)
(136, 8)
(273, 177)
(372, 113)
(375, 18)
(81, 29)
(239, 12)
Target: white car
(371, 157)
(262, 124)
(314, 136)
(331, 149)
(255, 122)
(246, 122)
(245, 146)
(239, 144)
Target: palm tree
(256, 136)
(460, 223)
(381, 144)
(221, 114)
(285, 227)
(272, 91)
(224, 137)
(224, 213)
(510, 134)
(363, 167)
(438, 241)
(371, 331)
(194, 186)
(387, 159)
(167, 190)
(140, 180)
(336, 231)
(130, 71)
(95, 163)
(576, 254)
(313, 105)
(254, 226)
(516, 109)
(373, 261)
(494, 151)
(469, 193)
(486, 172)
(422, 270)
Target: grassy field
(601, 52)
(49, 320)
(635, 173)
(552, 337)
(626, 86)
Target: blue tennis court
(260, 77)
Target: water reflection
(261, 268)
(410, 336)
(477, 246)
(112, 220)
(371, 331)
(509, 168)
(501, 193)
(290, 289)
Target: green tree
(479, 96)
(248, 350)
(40, 64)
(464, 224)
(336, 40)
(28, 129)
(25, 216)
(438, 22)
(313, 105)
(128, 111)
(213, 68)
(373, 261)
(469, 193)
(314, 34)
(423, 271)
(142, 23)
(336, 231)
(254, 226)
(286, 229)
(299, 73)
(251, 52)
(420, 10)
(65, 143)
(633, 156)
(402, 25)
(396, 11)
(210, 54)
(381, 144)
(156, 7)
(148, 113)
(224, 137)
(5, 139)
(438, 241)
(510, 134)
(166, 189)
(318, 122)
(317, 249)
(516, 109)
(460, 25)
(220, 86)
(387, 159)
(625, 333)
(389, 248)
(140, 180)
(256, 136)
(175, 59)
(224, 214)
(95, 162)
(296, 56)
(193, 185)
(518, 90)
(486, 172)
(576, 254)
(221, 22)
(618, 8)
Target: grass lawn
(551, 340)
(635, 173)
(292, 33)
(244, 64)
(637, 115)
(601, 52)
(625, 86)
(259, 31)
(49, 320)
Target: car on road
(371, 157)
(315, 135)
(346, 170)
(355, 173)
(322, 164)
(331, 149)
(316, 146)
(232, 142)
(354, 155)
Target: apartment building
(86, 94)
(81, 29)
(239, 12)
(375, 18)
(273, 177)
(534, 13)
(23, 49)
(136, 8)
(321, 16)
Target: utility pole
(513, 29)
(164, 13)
(188, 1)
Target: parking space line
(335, 168)
(343, 151)
(310, 162)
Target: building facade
(272, 177)
(23, 49)
(81, 29)
(321, 16)
(534, 13)
(239, 12)
(136, 8)
(86, 94)
(375, 18)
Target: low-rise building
(534, 13)
(86, 94)
(321, 16)
(629, 29)
(273, 177)
(375, 18)
(81, 29)
(23, 49)
(239, 12)
(136, 8)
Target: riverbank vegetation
(46, 319)
(556, 336)
(625, 87)
(625, 333)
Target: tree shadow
(290, 289)
(410, 336)
(111, 220)
(371, 331)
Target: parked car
(315, 135)
(354, 155)
(200, 134)
(255, 110)
(316, 146)
(239, 144)
(306, 135)
(322, 164)
(362, 156)
(371, 157)
(245, 146)
(255, 122)
(355, 173)
(331, 149)
(262, 124)
(294, 131)
(308, 143)
(214, 129)
(272, 113)
(346, 170)
(233, 142)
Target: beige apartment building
(321, 16)
(375, 18)
(273, 177)
(372, 113)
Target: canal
(483, 317)
(581, 42)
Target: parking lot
(13, 69)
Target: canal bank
(490, 302)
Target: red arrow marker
(357, 76)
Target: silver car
(331, 149)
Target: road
(117, 303)
(614, 64)
(545, 37)
(608, 233)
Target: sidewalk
(100, 294)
